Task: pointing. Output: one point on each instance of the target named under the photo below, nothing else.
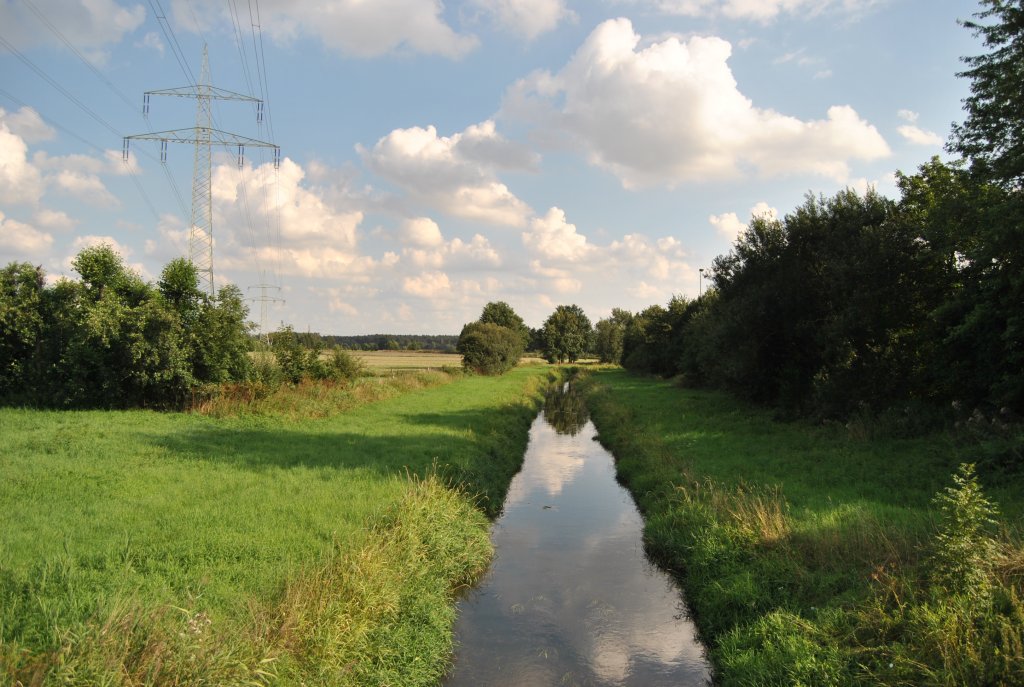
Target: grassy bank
(149, 548)
(813, 556)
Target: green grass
(160, 548)
(807, 554)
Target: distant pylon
(264, 300)
(203, 136)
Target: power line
(57, 32)
(46, 77)
(172, 40)
(202, 136)
(69, 132)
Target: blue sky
(440, 155)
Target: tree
(567, 334)
(609, 334)
(489, 348)
(21, 322)
(223, 338)
(501, 313)
(992, 139)
(292, 358)
(993, 133)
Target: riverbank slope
(811, 555)
(162, 548)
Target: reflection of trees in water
(565, 410)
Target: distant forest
(444, 343)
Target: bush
(489, 349)
(344, 366)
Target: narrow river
(571, 598)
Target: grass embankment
(159, 548)
(812, 557)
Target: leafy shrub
(964, 549)
(489, 349)
(344, 366)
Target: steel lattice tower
(203, 136)
(264, 300)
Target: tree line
(496, 342)
(856, 301)
(112, 340)
(442, 343)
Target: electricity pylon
(263, 300)
(202, 136)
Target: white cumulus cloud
(20, 241)
(455, 174)
(553, 238)
(528, 18)
(756, 10)
(729, 225)
(428, 285)
(915, 134)
(352, 27)
(422, 231)
(20, 180)
(85, 23)
(27, 124)
(671, 112)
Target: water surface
(570, 598)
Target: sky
(436, 156)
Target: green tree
(179, 285)
(489, 348)
(292, 357)
(567, 334)
(609, 334)
(222, 338)
(993, 133)
(992, 139)
(501, 313)
(21, 323)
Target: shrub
(344, 366)
(489, 349)
(964, 549)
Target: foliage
(489, 348)
(21, 320)
(293, 359)
(344, 366)
(858, 304)
(381, 342)
(965, 549)
(112, 340)
(501, 313)
(568, 334)
(494, 344)
(992, 136)
(609, 336)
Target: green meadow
(178, 548)
(810, 554)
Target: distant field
(408, 360)
(418, 360)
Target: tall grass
(809, 556)
(148, 548)
(314, 398)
